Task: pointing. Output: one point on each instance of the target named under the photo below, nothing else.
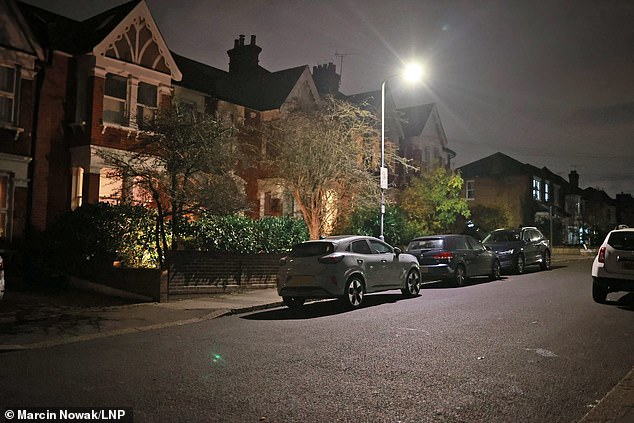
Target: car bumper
(436, 272)
(507, 261)
(309, 286)
(613, 283)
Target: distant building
(533, 196)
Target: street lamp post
(412, 72)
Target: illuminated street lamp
(412, 73)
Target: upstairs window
(7, 94)
(547, 197)
(470, 189)
(537, 188)
(115, 99)
(146, 103)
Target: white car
(345, 267)
(613, 267)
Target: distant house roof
(415, 118)
(71, 36)
(262, 90)
(497, 164)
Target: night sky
(550, 83)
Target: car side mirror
(397, 251)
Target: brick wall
(195, 272)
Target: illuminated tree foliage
(327, 157)
(432, 202)
(184, 161)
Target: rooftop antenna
(341, 56)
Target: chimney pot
(252, 40)
(241, 39)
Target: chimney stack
(244, 59)
(326, 78)
(573, 177)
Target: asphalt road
(528, 348)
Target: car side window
(361, 247)
(536, 235)
(380, 248)
(526, 235)
(461, 244)
(473, 244)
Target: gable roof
(415, 118)
(498, 164)
(70, 36)
(100, 34)
(261, 91)
(15, 32)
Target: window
(146, 103)
(380, 248)
(272, 205)
(7, 94)
(361, 247)
(546, 192)
(77, 187)
(110, 186)
(4, 204)
(115, 99)
(470, 189)
(537, 188)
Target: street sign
(384, 178)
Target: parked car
(345, 267)
(613, 267)
(518, 248)
(454, 258)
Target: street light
(412, 73)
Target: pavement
(43, 318)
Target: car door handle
(383, 261)
(359, 261)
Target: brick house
(20, 56)
(101, 77)
(536, 196)
(86, 86)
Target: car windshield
(622, 241)
(426, 244)
(312, 249)
(501, 236)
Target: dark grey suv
(518, 248)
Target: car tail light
(331, 259)
(443, 255)
(602, 255)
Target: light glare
(414, 72)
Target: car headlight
(506, 252)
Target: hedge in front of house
(243, 235)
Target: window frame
(9, 94)
(470, 189)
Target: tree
(325, 156)
(185, 161)
(432, 202)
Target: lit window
(546, 192)
(7, 94)
(470, 188)
(110, 186)
(537, 188)
(77, 187)
(146, 103)
(115, 98)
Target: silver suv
(613, 267)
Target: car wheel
(545, 265)
(519, 264)
(412, 284)
(459, 276)
(355, 292)
(294, 303)
(599, 291)
(495, 271)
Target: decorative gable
(137, 40)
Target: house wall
(508, 192)
(51, 174)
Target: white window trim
(472, 190)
